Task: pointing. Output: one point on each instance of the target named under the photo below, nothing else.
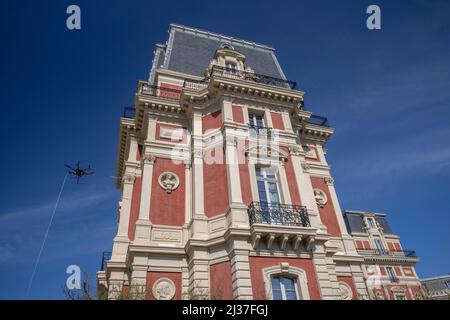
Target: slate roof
(438, 284)
(190, 50)
(354, 222)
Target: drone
(79, 172)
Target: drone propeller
(66, 165)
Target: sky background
(62, 92)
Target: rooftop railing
(151, 90)
(246, 75)
(106, 256)
(278, 214)
(129, 112)
(319, 120)
(382, 252)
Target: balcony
(155, 91)
(279, 214)
(319, 121)
(381, 255)
(280, 226)
(129, 112)
(106, 256)
(251, 76)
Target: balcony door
(256, 120)
(269, 196)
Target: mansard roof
(355, 224)
(189, 50)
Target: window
(447, 283)
(255, 120)
(371, 222)
(268, 194)
(391, 274)
(399, 296)
(379, 245)
(230, 67)
(284, 288)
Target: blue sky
(386, 92)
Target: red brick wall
(135, 204)
(408, 272)
(259, 263)
(220, 280)
(139, 152)
(351, 283)
(154, 276)
(169, 93)
(212, 121)
(327, 213)
(244, 173)
(238, 114)
(215, 184)
(315, 151)
(277, 121)
(160, 212)
(397, 271)
(292, 184)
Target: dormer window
(231, 67)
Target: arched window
(285, 282)
(284, 288)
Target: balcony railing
(129, 112)
(319, 120)
(106, 256)
(245, 75)
(196, 84)
(278, 214)
(259, 132)
(382, 252)
(168, 93)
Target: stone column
(143, 224)
(139, 269)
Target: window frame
(283, 289)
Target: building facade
(226, 190)
(436, 288)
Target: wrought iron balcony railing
(129, 112)
(383, 252)
(245, 75)
(259, 132)
(319, 120)
(283, 214)
(106, 256)
(151, 90)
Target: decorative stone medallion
(169, 181)
(320, 197)
(163, 289)
(345, 292)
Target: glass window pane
(258, 172)
(288, 283)
(276, 283)
(291, 295)
(277, 295)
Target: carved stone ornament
(305, 166)
(163, 289)
(344, 291)
(329, 181)
(295, 150)
(169, 181)
(128, 178)
(148, 158)
(320, 197)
